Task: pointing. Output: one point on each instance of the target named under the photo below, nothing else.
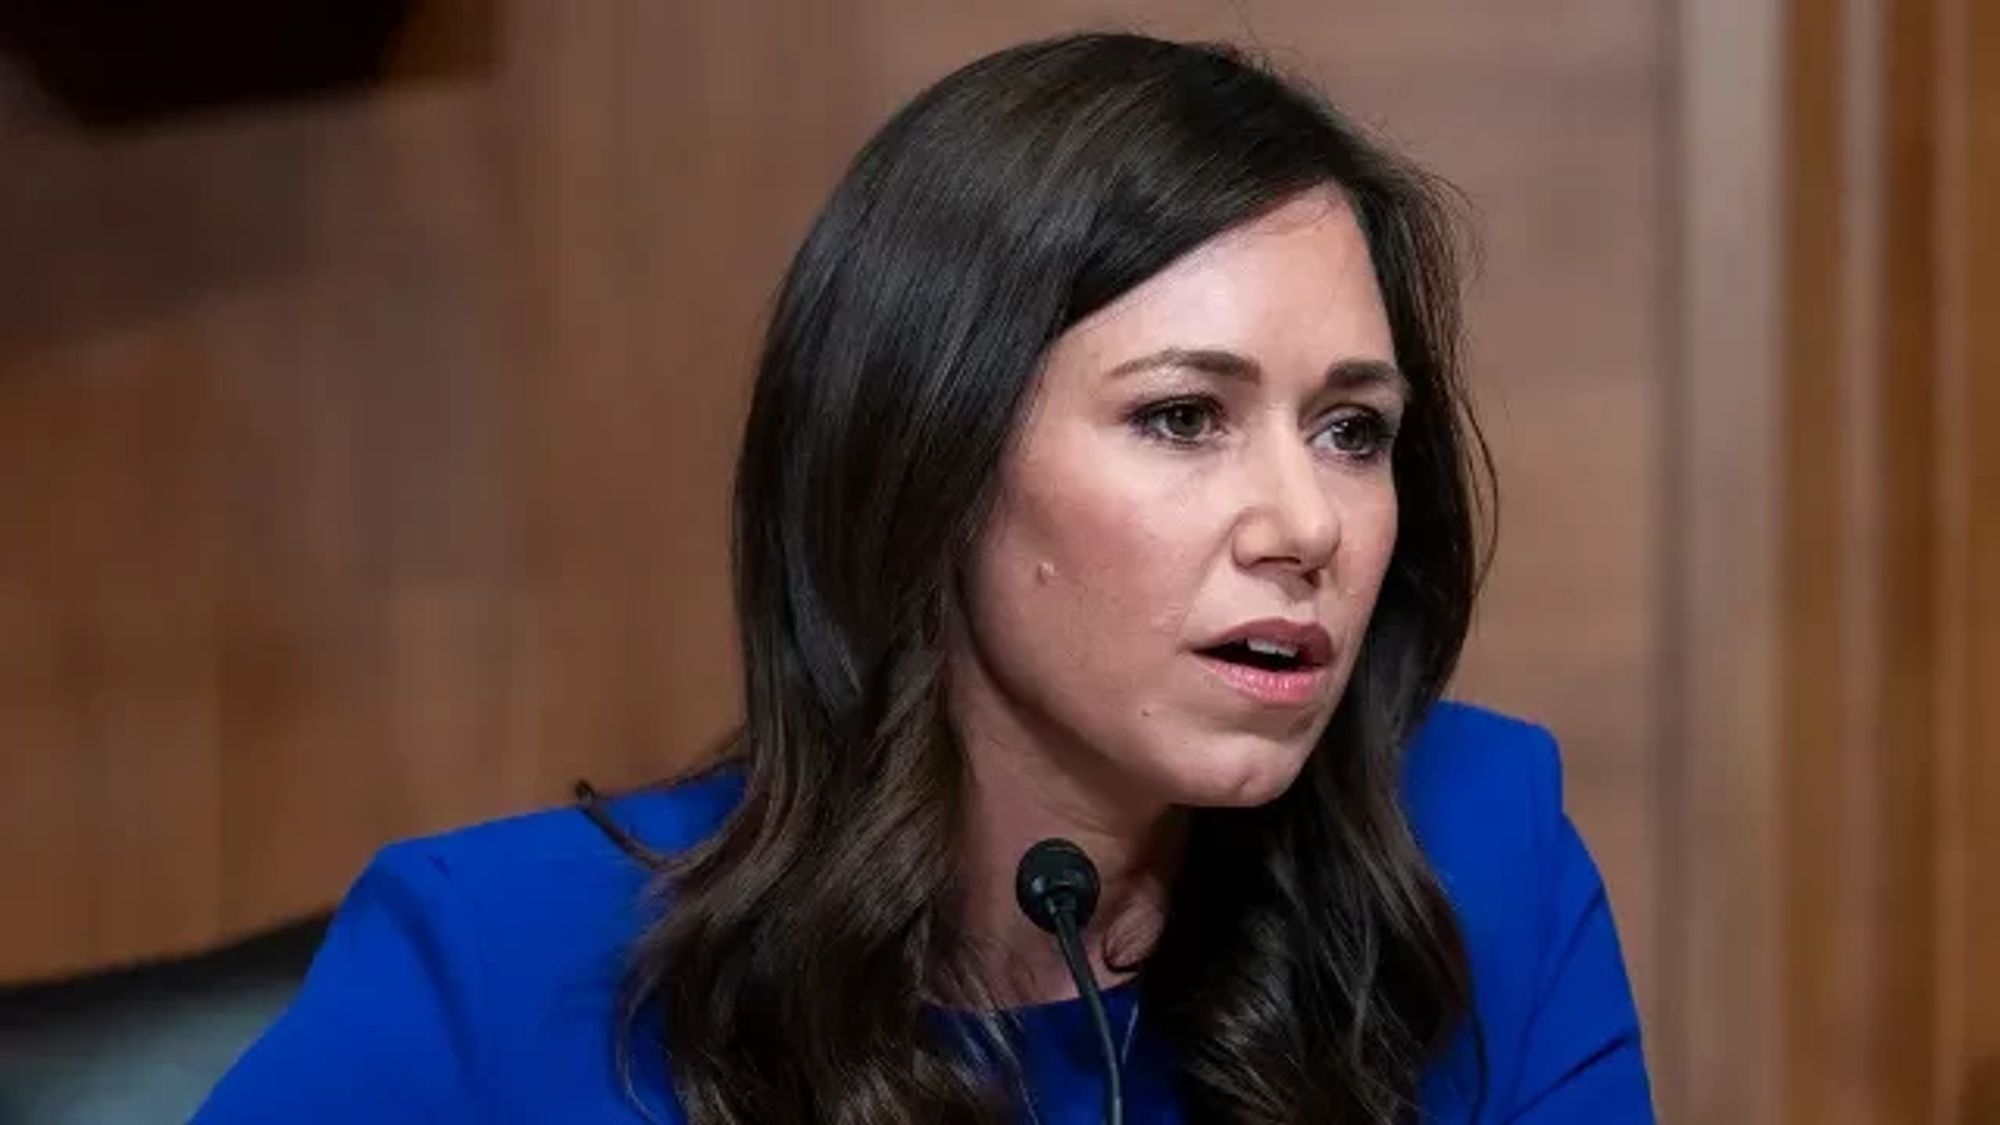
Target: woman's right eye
(1179, 422)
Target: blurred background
(370, 372)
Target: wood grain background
(363, 463)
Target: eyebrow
(1345, 375)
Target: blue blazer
(475, 976)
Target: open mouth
(1268, 656)
(1274, 662)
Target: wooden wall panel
(410, 411)
(1718, 1058)
(1967, 1070)
(1862, 832)
(1868, 547)
(1836, 631)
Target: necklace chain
(1124, 1055)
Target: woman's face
(1192, 525)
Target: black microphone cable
(1056, 887)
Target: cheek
(1368, 543)
(1092, 570)
(1370, 540)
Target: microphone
(1056, 887)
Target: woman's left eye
(1360, 435)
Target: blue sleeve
(386, 1027)
(1581, 1060)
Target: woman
(1107, 477)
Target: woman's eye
(1361, 436)
(1185, 422)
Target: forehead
(1293, 289)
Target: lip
(1294, 688)
(1315, 645)
(1290, 688)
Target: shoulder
(475, 974)
(548, 904)
(1475, 780)
(1483, 793)
(1553, 1004)
(557, 883)
(540, 862)
(666, 818)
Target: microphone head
(1054, 878)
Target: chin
(1237, 772)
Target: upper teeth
(1271, 648)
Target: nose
(1288, 521)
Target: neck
(1017, 796)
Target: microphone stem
(1071, 943)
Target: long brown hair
(1310, 965)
